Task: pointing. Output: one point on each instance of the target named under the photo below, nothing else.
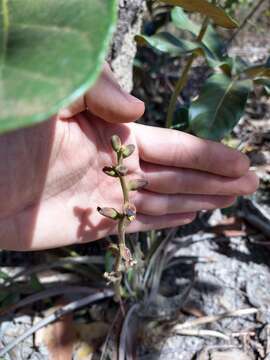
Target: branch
(246, 20)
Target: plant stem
(122, 179)
(246, 20)
(183, 79)
(121, 232)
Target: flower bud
(110, 171)
(128, 150)
(137, 184)
(108, 213)
(129, 211)
(121, 170)
(116, 143)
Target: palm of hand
(57, 204)
(52, 180)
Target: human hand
(52, 179)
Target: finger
(170, 180)
(145, 222)
(174, 148)
(107, 100)
(153, 204)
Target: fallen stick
(212, 318)
(75, 305)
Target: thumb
(107, 100)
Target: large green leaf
(217, 14)
(168, 43)
(51, 52)
(211, 38)
(219, 107)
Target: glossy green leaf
(168, 43)
(51, 52)
(219, 107)
(217, 14)
(211, 38)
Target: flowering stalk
(121, 252)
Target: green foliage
(222, 100)
(168, 43)
(211, 39)
(216, 13)
(51, 52)
(219, 107)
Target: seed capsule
(130, 211)
(116, 143)
(121, 170)
(128, 150)
(110, 171)
(137, 184)
(108, 213)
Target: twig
(203, 333)
(246, 20)
(71, 307)
(214, 318)
(124, 332)
(243, 333)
